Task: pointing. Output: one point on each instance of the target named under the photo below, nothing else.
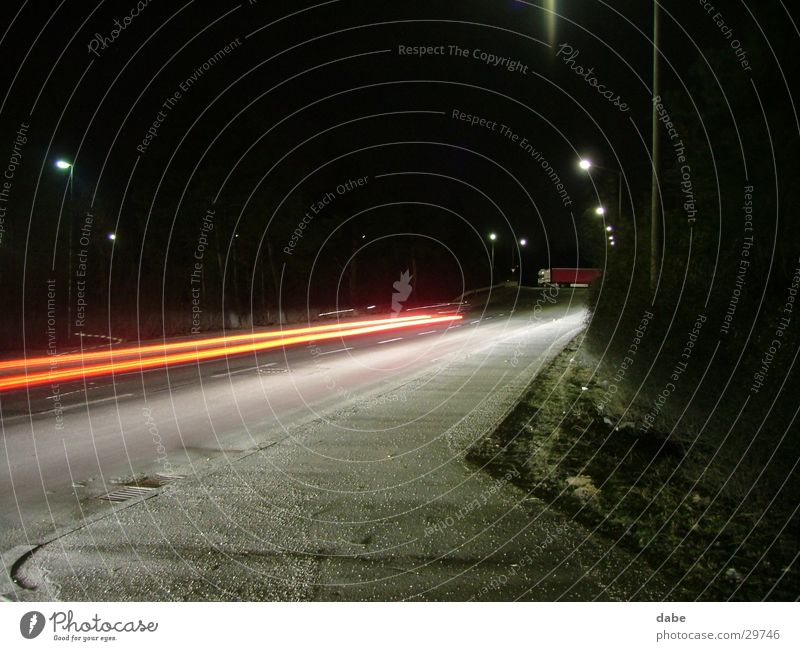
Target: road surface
(331, 471)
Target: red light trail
(131, 351)
(163, 356)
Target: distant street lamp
(492, 238)
(112, 236)
(600, 211)
(609, 228)
(523, 242)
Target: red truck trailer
(568, 277)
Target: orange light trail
(44, 377)
(130, 351)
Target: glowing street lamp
(609, 228)
(492, 238)
(66, 165)
(523, 242)
(585, 164)
(112, 236)
(600, 211)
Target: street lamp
(600, 211)
(64, 165)
(522, 242)
(656, 218)
(609, 228)
(585, 164)
(112, 236)
(492, 238)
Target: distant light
(609, 228)
(63, 165)
(585, 164)
(371, 307)
(613, 243)
(523, 242)
(493, 236)
(363, 237)
(599, 210)
(112, 236)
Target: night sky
(259, 110)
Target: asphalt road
(332, 471)
(163, 419)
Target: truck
(568, 276)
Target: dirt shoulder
(647, 494)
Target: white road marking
(429, 332)
(244, 370)
(331, 352)
(169, 367)
(96, 402)
(388, 341)
(70, 393)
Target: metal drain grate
(124, 493)
(140, 488)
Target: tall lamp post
(492, 238)
(64, 165)
(655, 216)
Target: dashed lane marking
(244, 370)
(331, 352)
